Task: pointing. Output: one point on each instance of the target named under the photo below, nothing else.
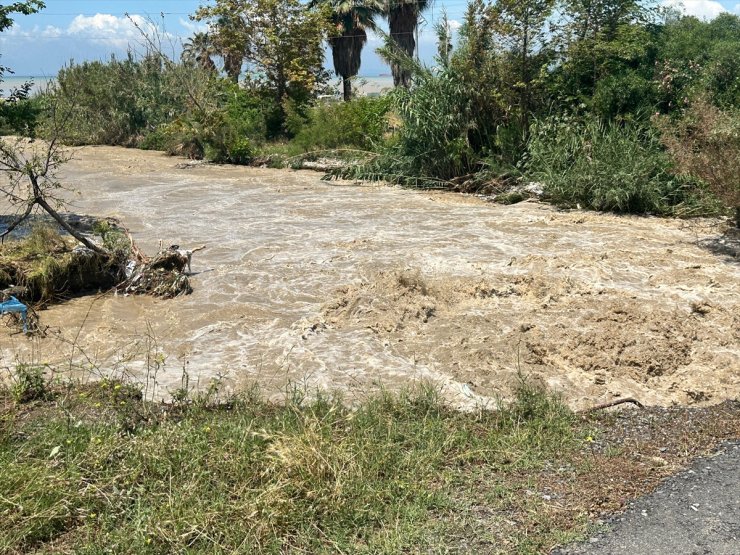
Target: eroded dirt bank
(357, 287)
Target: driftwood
(614, 403)
(138, 255)
(163, 275)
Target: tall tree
(522, 26)
(232, 40)
(350, 21)
(598, 37)
(403, 20)
(280, 40)
(199, 49)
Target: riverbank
(96, 466)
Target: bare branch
(16, 223)
(69, 229)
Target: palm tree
(403, 19)
(351, 19)
(198, 50)
(231, 43)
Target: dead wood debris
(161, 276)
(614, 404)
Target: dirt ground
(357, 287)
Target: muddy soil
(360, 287)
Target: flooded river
(356, 287)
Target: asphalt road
(696, 512)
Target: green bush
(603, 166)
(20, 116)
(29, 384)
(358, 124)
(120, 101)
(626, 94)
(699, 59)
(225, 129)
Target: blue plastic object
(14, 305)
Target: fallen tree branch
(69, 229)
(614, 403)
(136, 251)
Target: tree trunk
(39, 199)
(347, 83)
(402, 22)
(525, 79)
(69, 229)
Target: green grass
(46, 265)
(96, 469)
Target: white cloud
(51, 32)
(18, 31)
(110, 29)
(193, 26)
(454, 24)
(703, 9)
(736, 9)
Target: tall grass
(432, 142)
(360, 124)
(605, 166)
(98, 469)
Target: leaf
(55, 451)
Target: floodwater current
(352, 288)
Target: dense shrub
(19, 114)
(623, 94)
(358, 124)
(603, 166)
(120, 101)
(705, 143)
(225, 127)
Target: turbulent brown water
(354, 288)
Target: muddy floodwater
(360, 287)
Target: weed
(605, 166)
(29, 384)
(312, 475)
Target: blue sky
(88, 29)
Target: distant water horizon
(367, 83)
(11, 82)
